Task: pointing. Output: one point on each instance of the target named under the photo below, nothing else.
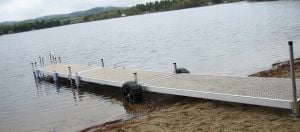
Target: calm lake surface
(228, 39)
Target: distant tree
(217, 1)
(86, 18)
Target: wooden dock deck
(272, 92)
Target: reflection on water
(102, 91)
(60, 107)
(106, 94)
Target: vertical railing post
(175, 67)
(53, 60)
(35, 64)
(102, 62)
(43, 63)
(292, 66)
(33, 69)
(135, 77)
(50, 55)
(59, 59)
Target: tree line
(27, 26)
(149, 7)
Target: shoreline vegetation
(175, 113)
(113, 12)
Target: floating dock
(272, 92)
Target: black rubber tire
(182, 70)
(125, 91)
(132, 92)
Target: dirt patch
(279, 70)
(192, 114)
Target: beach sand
(193, 114)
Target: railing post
(59, 59)
(43, 61)
(50, 55)
(53, 61)
(292, 66)
(135, 77)
(35, 71)
(40, 59)
(35, 64)
(175, 67)
(32, 67)
(102, 62)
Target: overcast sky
(15, 10)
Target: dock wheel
(125, 94)
(132, 92)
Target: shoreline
(118, 12)
(193, 114)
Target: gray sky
(15, 10)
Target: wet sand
(192, 114)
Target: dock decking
(272, 92)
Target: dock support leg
(55, 78)
(135, 78)
(175, 68)
(70, 75)
(292, 66)
(37, 74)
(77, 79)
(34, 71)
(102, 62)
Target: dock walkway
(272, 92)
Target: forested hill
(101, 13)
(92, 11)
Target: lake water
(228, 39)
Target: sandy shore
(192, 114)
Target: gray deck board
(273, 88)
